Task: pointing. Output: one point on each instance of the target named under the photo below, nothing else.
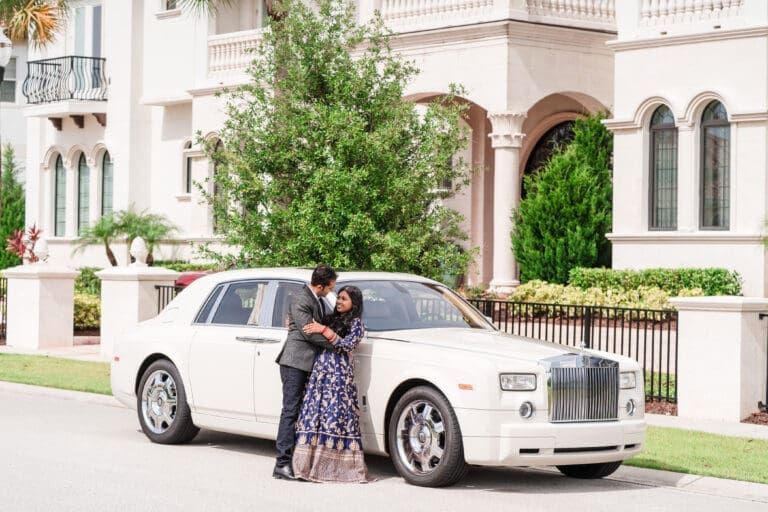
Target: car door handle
(249, 339)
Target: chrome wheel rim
(158, 401)
(420, 437)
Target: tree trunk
(110, 254)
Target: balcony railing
(667, 12)
(231, 53)
(588, 10)
(65, 78)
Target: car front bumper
(493, 438)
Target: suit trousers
(294, 381)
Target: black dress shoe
(284, 472)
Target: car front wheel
(425, 439)
(590, 470)
(162, 406)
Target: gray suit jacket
(301, 349)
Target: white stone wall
(692, 65)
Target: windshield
(397, 305)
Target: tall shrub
(562, 222)
(11, 206)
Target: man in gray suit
(297, 358)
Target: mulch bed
(668, 409)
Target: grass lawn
(54, 372)
(670, 449)
(699, 453)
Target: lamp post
(6, 47)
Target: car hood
(478, 341)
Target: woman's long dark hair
(342, 324)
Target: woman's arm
(351, 342)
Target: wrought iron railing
(65, 78)
(647, 335)
(4, 307)
(165, 294)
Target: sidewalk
(79, 352)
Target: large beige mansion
(110, 114)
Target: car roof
(305, 274)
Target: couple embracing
(318, 438)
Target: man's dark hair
(323, 275)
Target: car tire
(425, 440)
(161, 403)
(589, 470)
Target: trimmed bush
(713, 281)
(642, 297)
(87, 312)
(184, 266)
(562, 222)
(87, 282)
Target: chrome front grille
(587, 393)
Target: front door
(268, 389)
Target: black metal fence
(4, 307)
(166, 294)
(65, 78)
(647, 335)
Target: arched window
(60, 199)
(83, 195)
(216, 224)
(715, 167)
(663, 173)
(555, 139)
(107, 178)
(186, 178)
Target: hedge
(87, 282)
(185, 266)
(642, 297)
(713, 281)
(87, 311)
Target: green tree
(562, 222)
(11, 205)
(324, 161)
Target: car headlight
(627, 380)
(517, 381)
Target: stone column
(41, 305)
(506, 140)
(128, 295)
(721, 369)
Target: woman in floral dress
(328, 446)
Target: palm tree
(38, 21)
(152, 227)
(105, 231)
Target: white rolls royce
(440, 387)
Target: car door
(268, 391)
(223, 349)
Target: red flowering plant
(23, 244)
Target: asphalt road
(72, 452)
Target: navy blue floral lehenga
(328, 446)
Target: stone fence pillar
(721, 370)
(41, 306)
(128, 296)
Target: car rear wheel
(590, 470)
(425, 439)
(162, 406)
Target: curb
(78, 396)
